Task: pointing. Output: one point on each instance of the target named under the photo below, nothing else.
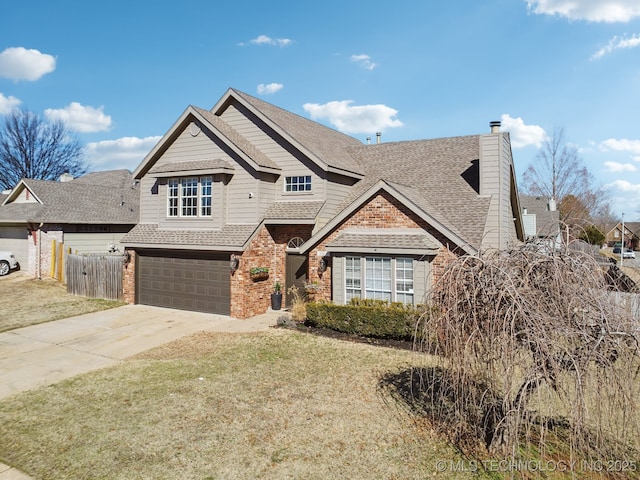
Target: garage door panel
(197, 282)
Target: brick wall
(129, 278)
(267, 249)
(382, 211)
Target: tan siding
(149, 201)
(273, 148)
(92, 242)
(337, 281)
(421, 280)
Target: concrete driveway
(44, 354)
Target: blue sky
(121, 73)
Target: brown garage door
(188, 281)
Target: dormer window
(189, 197)
(298, 184)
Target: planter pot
(256, 277)
(276, 301)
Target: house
(248, 184)
(631, 235)
(89, 214)
(541, 221)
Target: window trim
(183, 196)
(297, 181)
(354, 287)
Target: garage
(14, 239)
(192, 281)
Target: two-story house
(247, 184)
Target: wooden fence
(95, 276)
(629, 301)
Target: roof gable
(323, 145)
(100, 198)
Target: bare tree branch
(31, 148)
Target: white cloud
(8, 104)
(608, 11)
(80, 118)
(522, 135)
(266, 40)
(620, 167)
(270, 88)
(617, 43)
(624, 186)
(126, 152)
(18, 63)
(354, 119)
(364, 61)
(622, 145)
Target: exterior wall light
(234, 262)
(322, 265)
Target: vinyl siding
(495, 181)
(280, 153)
(88, 242)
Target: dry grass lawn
(29, 301)
(274, 405)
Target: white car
(628, 253)
(7, 263)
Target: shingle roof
(97, 198)
(327, 144)
(293, 210)
(547, 221)
(193, 165)
(228, 237)
(441, 176)
(407, 239)
(238, 140)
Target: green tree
(592, 235)
(33, 148)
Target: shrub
(369, 318)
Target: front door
(296, 275)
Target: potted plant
(276, 297)
(259, 273)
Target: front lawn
(279, 404)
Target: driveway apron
(44, 354)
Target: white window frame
(381, 278)
(190, 197)
(297, 184)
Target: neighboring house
(631, 235)
(247, 184)
(90, 214)
(541, 221)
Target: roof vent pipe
(368, 140)
(495, 126)
(378, 135)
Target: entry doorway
(295, 276)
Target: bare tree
(32, 148)
(558, 172)
(535, 355)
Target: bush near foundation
(368, 318)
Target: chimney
(495, 126)
(552, 204)
(378, 135)
(368, 140)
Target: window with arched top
(295, 242)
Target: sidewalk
(45, 354)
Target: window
(298, 184)
(189, 197)
(205, 196)
(352, 278)
(384, 278)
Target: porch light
(322, 265)
(234, 262)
